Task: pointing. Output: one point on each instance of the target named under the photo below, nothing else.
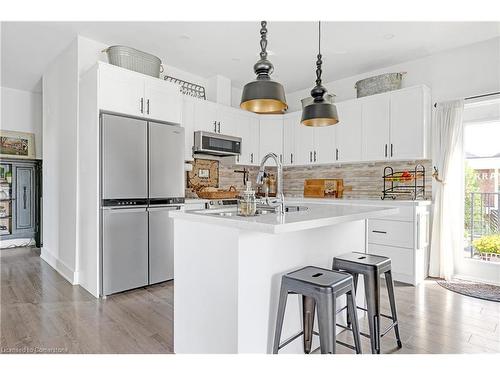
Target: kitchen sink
(295, 208)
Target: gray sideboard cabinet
(20, 199)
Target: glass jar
(247, 204)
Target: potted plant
(488, 246)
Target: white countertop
(317, 215)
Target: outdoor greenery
(471, 186)
(488, 244)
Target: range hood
(216, 144)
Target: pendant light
(263, 95)
(319, 110)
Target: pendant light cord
(263, 40)
(319, 62)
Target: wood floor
(42, 312)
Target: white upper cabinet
(304, 143)
(130, 93)
(409, 123)
(187, 123)
(348, 133)
(248, 131)
(229, 120)
(396, 124)
(121, 91)
(290, 123)
(205, 116)
(163, 100)
(271, 135)
(375, 112)
(324, 145)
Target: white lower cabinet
(405, 239)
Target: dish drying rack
(395, 184)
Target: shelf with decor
(400, 183)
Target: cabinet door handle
(281, 158)
(379, 231)
(386, 150)
(310, 156)
(315, 156)
(24, 197)
(219, 127)
(215, 126)
(336, 154)
(142, 105)
(251, 157)
(147, 106)
(291, 158)
(391, 149)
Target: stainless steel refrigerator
(142, 179)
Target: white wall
(458, 73)
(60, 115)
(22, 111)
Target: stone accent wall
(365, 179)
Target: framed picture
(17, 144)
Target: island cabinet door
(304, 144)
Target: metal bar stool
(371, 267)
(319, 287)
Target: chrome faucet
(280, 198)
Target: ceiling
(231, 48)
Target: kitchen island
(227, 271)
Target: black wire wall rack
(401, 183)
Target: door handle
(251, 157)
(281, 158)
(215, 126)
(386, 150)
(147, 106)
(391, 149)
(379, 231)
(164, 208)
(315, 156)
(291, 158)
(219, 127)
(310, 156)
(24, 197)
(336, 154)
(142, 105)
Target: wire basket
(133, 59)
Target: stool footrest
(391, 326)
(346, 345)
(349, 329)
(294, 337)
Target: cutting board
(324, 188)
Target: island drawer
(401, 259)
(391, 233)
(405, 214)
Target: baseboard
(59, 266)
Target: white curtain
(447, 226)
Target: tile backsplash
(364, 179)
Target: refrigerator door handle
(164, 208)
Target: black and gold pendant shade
(319, 110)
(263, 96)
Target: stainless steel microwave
(216, 144)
